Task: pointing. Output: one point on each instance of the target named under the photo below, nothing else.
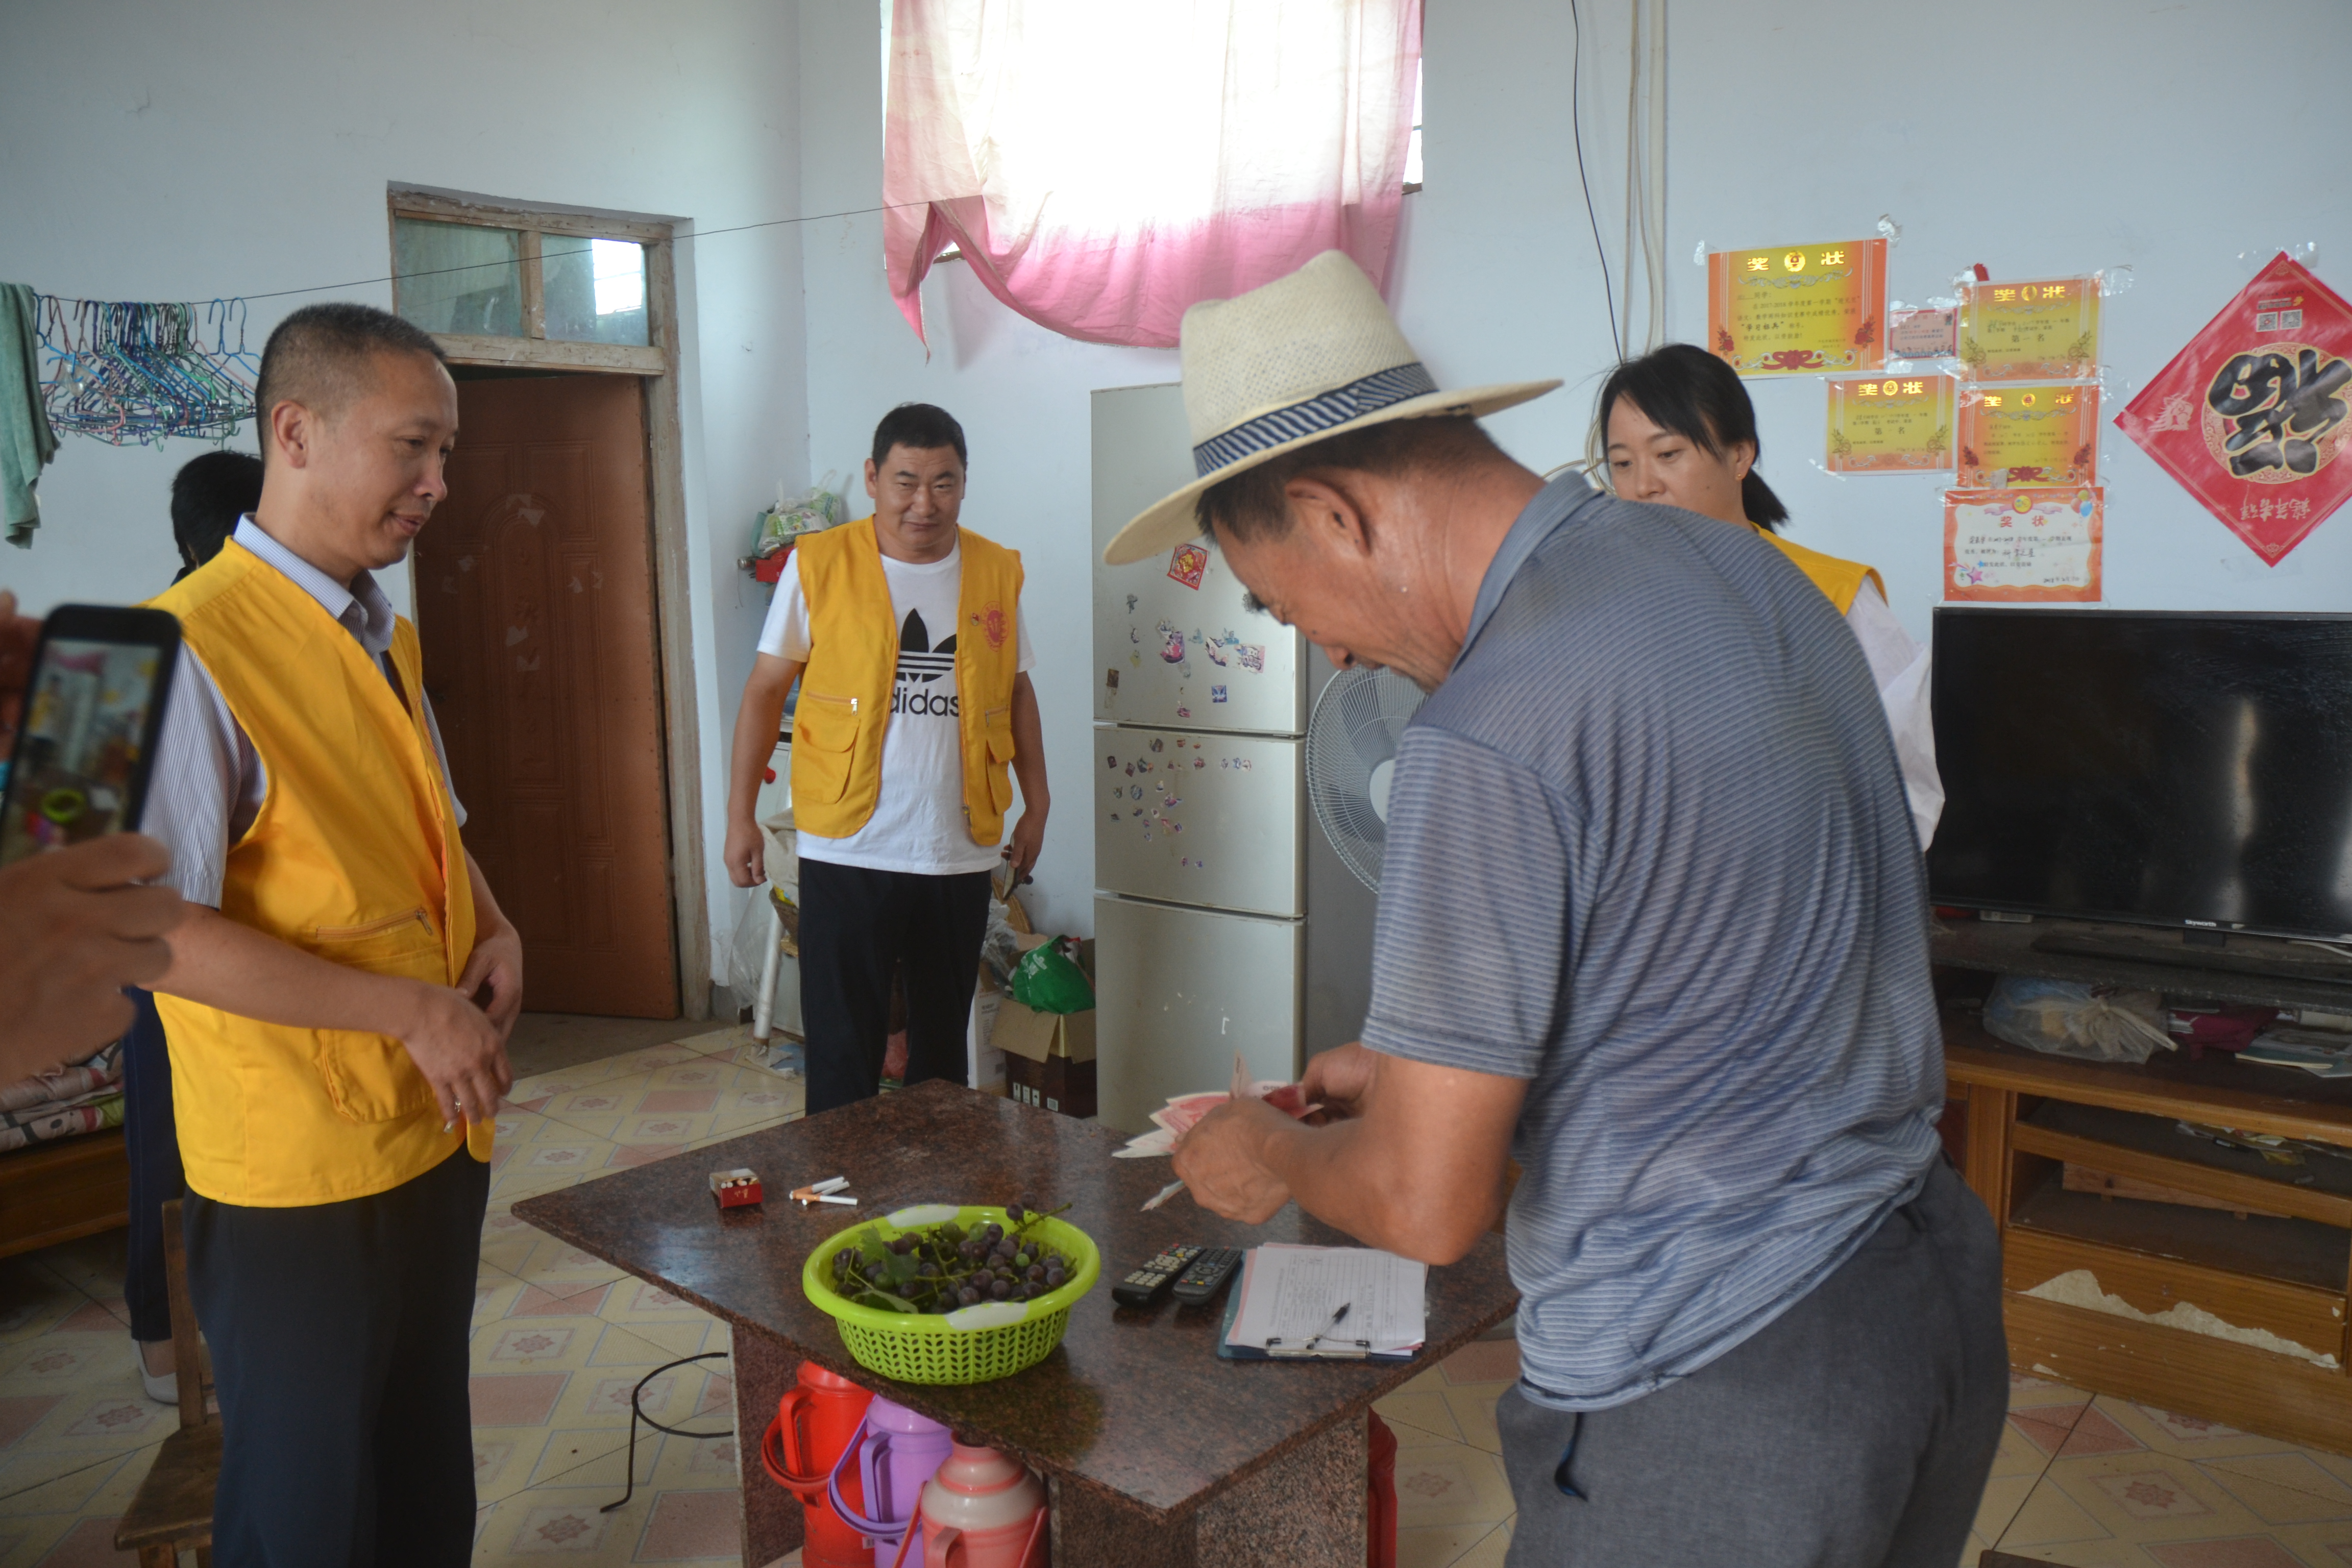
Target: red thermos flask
(814, 1422)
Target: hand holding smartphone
(91, 712)
(83, 703)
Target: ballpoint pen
(1336, 1319)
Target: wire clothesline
(135, 373)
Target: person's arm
(76, 927)
(1899, 667)
(457, 1045)
(496, 962)
(758, 720)
(1417, 1166)
(1029, 767)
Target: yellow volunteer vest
(845, 703)
(354, 856)
(1841, 580)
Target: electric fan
(1351, 747)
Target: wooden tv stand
(2275, 1254)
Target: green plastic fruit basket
(974, 1344)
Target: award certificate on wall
(2028, 547)
(1890, 425)
(1798, 309)
(2044, 330)
(2016, 435)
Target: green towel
(26, 442)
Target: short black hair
(1252, 503)
(313, 356)
(208, 495)
(1694, 394)
(921, 427)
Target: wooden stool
(173, 1509)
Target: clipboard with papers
(1287, 1305)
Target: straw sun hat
(1298, 360)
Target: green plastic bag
(1047, 982)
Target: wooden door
(535, 605)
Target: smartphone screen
(92, 711)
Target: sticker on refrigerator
(1216, 694)
(1171, 644)
(1252, 657)
(1188, 565)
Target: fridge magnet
(1114, 817)
(1111, 762)
(2250, 418)
(1147, 835)
(2014, 435)
(2022, 546)
(1925, 332)
(1794, 310)
(1187, 862)
(1891, 425)
(1135, 791)
(1110, 681)
(1135, 659)
(2043, 330)
(1200, 762)
(1159, 745)
(1251, 656)
(1131, 603)
(1189, 565)
(1171, 644)
(1184, 712)
(1216, 694)
(1131, 770)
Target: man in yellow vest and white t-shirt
(340, 994)
(906, 634)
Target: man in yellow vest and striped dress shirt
(340, 994)
(907, 636)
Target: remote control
(1148, 1283)
(1207, 1276)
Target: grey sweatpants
(1854, 1431)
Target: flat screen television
(2187, 770)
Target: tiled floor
(560, 1340)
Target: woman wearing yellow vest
(1677, 429)
(906, 634)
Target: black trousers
(856, 926)
(152, 1141)
(339, 1338)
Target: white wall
(1788, 123)
(179, 151)
(2155, 173)
(184, 151)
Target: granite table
(1154, 1450)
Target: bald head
(323, 357)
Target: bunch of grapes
(940, 1268)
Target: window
(456, 278)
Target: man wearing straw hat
(1651, 921)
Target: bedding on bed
(83, 1097)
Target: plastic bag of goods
(1048, 982)
(2068, 1018)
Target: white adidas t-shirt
(918, 822)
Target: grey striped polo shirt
(1648, 850)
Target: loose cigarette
(834, 1184)
(1164, 1194)
(810, 1195)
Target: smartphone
(85, 744)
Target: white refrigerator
(1201, 852)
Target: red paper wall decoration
(2254, 415)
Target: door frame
(655, 367)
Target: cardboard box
(1053, 1083)
(1023, 1031)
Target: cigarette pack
(735, 1189)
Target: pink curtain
(1103, 163)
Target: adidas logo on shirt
(919, 666)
